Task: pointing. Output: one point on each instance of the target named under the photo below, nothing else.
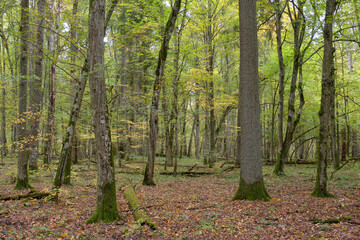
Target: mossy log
(3, 212)
(140, 215)
(31, 194)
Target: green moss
(321, 192)
(22, 184)
(140, 214)
(106, 209)
(147, 181)
(279, 166)
(255, 191)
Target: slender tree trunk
(153, 121)
(63, 173)
(36, 93)
(327, 96)
(251, 186)
(292, 120)
(280, 168)
(51, 108)
(22, 181)
(106, 209)
(3, 101)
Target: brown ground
(189, 208)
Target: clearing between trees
(186, 207)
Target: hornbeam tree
(22, 181)
(326, 99)
(106, 209)
(154, 116)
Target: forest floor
(187, 207)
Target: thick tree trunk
(327, 97)
(153, 121)
(251, 186)
(106, 209)
(36, 93)
(22, 181)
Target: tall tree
(327, 97)
(64, 168)
(281, 75)
(22, 181)
(154, 118)
(251, 186)
(298, 23)
(106, 208)
(35, 93)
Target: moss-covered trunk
(326, 100)
(106, 208)
(140, 215)
(22, 180)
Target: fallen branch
(330, 220)
(140, 215)
(31, 194)
(228, 169)
(191, 168)
(347, 161)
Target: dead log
(31, 194)
(140, 214)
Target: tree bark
(106, 209)
(281, 78)
(326, 100)
(36, 93)
(251, 186)
(292, 120)
(63, 173)
(153, 121)
(22, 181)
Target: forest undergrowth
(184, 207)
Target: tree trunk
(63, 173)
(327, 97)
(51, 109)
(281, 82)
(36, 93)
(292, 120)
(106, 209)
(3, 102)
(22, 181)
(251, 186)
(153, 121)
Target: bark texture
(251, 186)
(154, 116)
(22, 181)
(36, 93)
(63, 173)
(326, 100)
(293, 117)
(106, 209)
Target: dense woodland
(132, 89)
